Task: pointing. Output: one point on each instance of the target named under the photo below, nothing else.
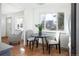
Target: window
(54, 21)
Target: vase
(40, 33)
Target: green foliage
(40, 27)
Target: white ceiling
(16, 7)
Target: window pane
(50, 25)
(51, 21)
(60, 21)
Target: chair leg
(49, 49)
(19, 42)
(56, 46)
(33, 44)
(47, 46)
(59, 49)
(27, 42)
(30, 44)
(36, 43)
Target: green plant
(40, 27)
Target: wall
(28, 19)
(3, 25)
(0, 22)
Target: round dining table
(43, 37)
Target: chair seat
(52, 42)
(30, 39)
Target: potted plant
(40, 27)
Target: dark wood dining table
(42, 36)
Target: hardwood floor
(15, 51)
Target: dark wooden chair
(30, 39)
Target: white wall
(3, 25)
(0, 22)
(28, 19)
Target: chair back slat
(57, 36)
(28, 33)
(16, 36)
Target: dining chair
(15, 37)
(30, 39)
(54, 41)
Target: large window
(53, 21)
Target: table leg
(36, 43)
(43, 44)
(46, 43)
